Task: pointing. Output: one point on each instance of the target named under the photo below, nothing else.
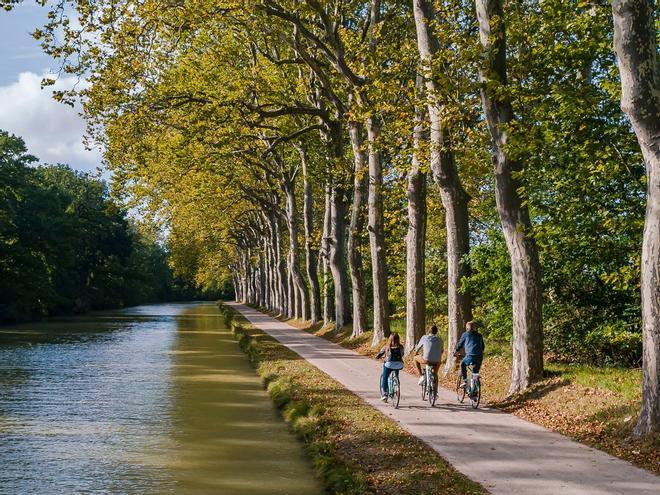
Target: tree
(454, 198)
(514, 215)
(637, 53)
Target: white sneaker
(420, 381)
(384, 398)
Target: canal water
(154, 399)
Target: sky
(52, 131)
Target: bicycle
(428, 385)
(472, 388)
(393, 386)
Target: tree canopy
(273, 138)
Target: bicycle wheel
(460, 389)
(476, 393)
(424, 386)
(433, 393)
(395, 392)
(380, 385)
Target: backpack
(396, 354)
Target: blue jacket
(474, 344)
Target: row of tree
(66, 247)
(220, 115)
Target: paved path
(504, 453)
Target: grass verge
(354, 448)
(597, 406)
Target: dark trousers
(386, 375)
(474, 361)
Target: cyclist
(432, 352)
(474, 346)
(393, 353)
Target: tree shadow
(535, 392)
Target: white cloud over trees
(52, 131)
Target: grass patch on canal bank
(354, 448)
(597, 406)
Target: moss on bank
(354, 448)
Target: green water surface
(155, 399)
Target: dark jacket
(473, 343)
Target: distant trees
(65, 246)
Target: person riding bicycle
(474, 346)
(393, 352)
(432, 352)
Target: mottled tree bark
(290, 288)
(310, 253)
(525, 268)
(416, 241)
(636, 51)
(302, 292)
(324, 256)
(454, 198)
(337, 241)
(381, 308)
(356, 229)
(281, 269)
(337, 260)
(249, 277)
(381, 303)
(266, 270)
(261, 280)
(236, 281)
(275, 283)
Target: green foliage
(65, 245)
(583, 181)
(185, 115)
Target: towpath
(504, 453)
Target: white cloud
(52, 131)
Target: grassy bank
(355, 449)
(597, 406)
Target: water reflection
(154, 399)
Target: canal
(148, 400)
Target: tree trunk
(416, 242)
(290, 288)
(236, 282)
(262, 281)
(636, 51)
(310, 253)
(377, 235)
(325, 256)
(249, 277)
(302, 292)
(275, 285)
(454, 198)
(266, 271)
(355, 231)
(338, 256)
(338, 211)
(281, 269)
(269, 271)
(514, 215)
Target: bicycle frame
(429, 384)
(471, 387)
